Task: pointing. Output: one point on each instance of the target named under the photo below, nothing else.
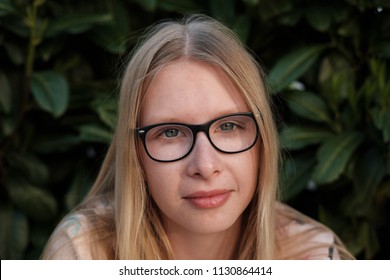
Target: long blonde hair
(130, 227)
(139, 231)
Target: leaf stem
(32, 16)
(34, 39)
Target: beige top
(304, 237)
(69, 240)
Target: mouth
(208, 199)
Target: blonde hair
(203, 39)
(130, 227)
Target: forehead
(190, 91)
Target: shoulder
(80, 235)
(300, 237)
(69, 240)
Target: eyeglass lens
(231, 134)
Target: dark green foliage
(328, 66)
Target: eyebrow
(194, 124)
(179, 120)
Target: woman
(192, 170)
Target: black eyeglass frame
(195, 128)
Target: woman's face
(207, 191)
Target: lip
(208, 199)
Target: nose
(204, 160)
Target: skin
(194, 92)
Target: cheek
(155, 182)
(149, 166)
(161, 179)
(248, 169)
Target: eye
(228, 126)
(169, 133)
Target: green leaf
(55, 143)
(15, 52)
(105, 107)
(292, 66)
(349, 28)
(39, 235)
(6, 94)
(50, 91)
(31, 200)
(14, 233)
(8, 124)
(367, 236)
(95, 133)
(383, 192)
(322, 16)
(369, 171)
(295, 176)
(291, 19)
(251, 2)
(336, 222)
(336, 78)
(242, 27)
(271, 9)
(79, 187)
(112, 37)
(388, 160)
(350, 118)
(49, 48)
(334, 155)
(182, 6)
(107, 116)
(30, 166)
(6, 8)
(15, 26)
(298, 137)
(383, 49)
(147, 5)
(309, 106)
(223, 10)
(5, 225)
(319, 16)
(77, 23)
(381, 119)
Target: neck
(205, 246)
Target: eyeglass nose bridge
(195, 129)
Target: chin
(212, 226)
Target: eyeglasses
(230, 134)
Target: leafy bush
(336, 97)
(328, 71)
